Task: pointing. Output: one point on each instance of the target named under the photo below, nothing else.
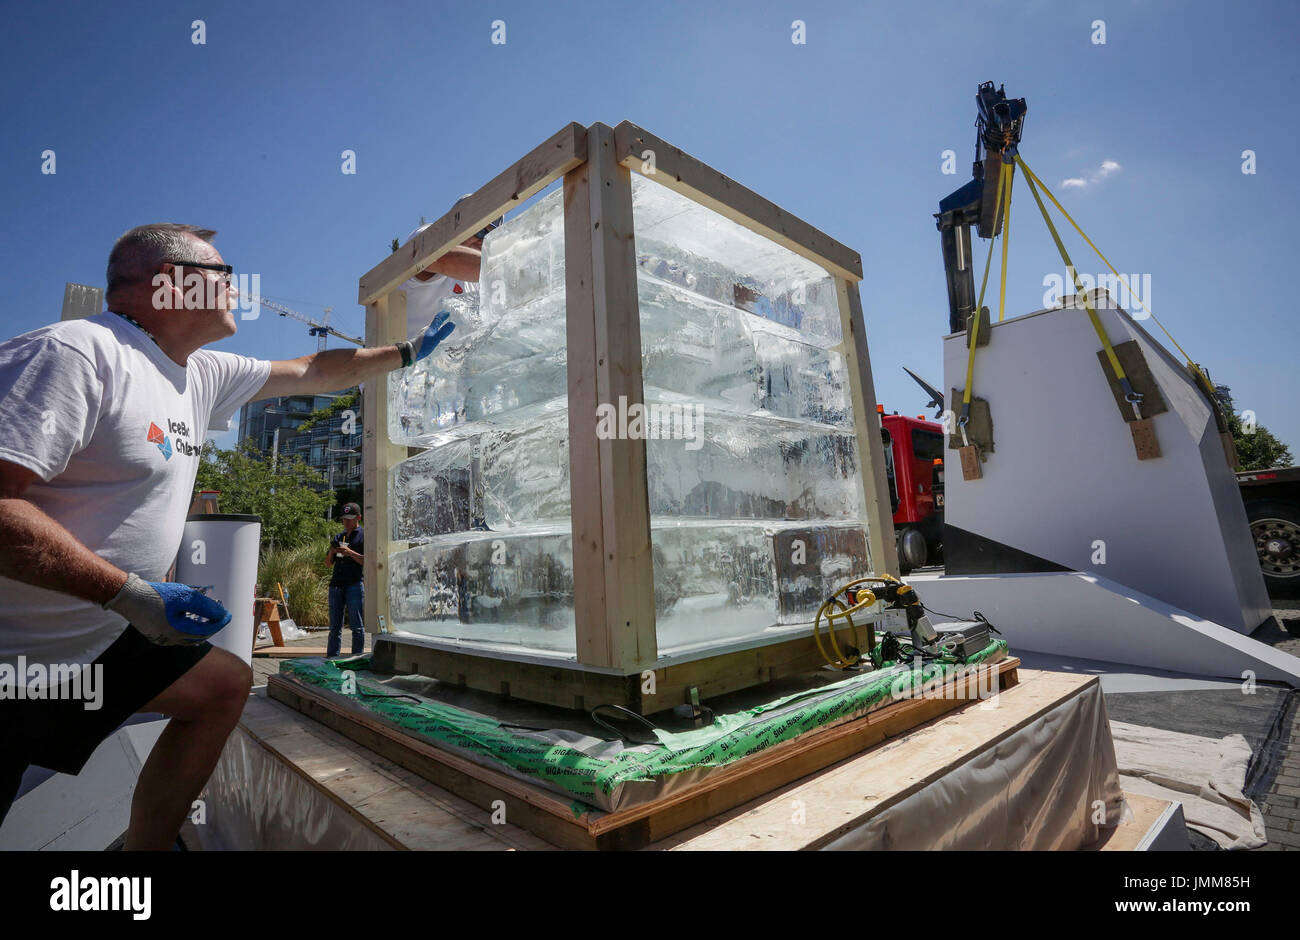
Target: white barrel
(220, 550)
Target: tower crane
(320, 330)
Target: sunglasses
(225, 269)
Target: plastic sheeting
(1206, 775)
(255, 801)
(1047, 785)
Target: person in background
(347, 590)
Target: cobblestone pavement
(1281, 807)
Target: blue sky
(244, 134)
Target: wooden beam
(538, 169)
(682, 173)
(613, 571)
(568, 685)
(866, 424)
(385, 324)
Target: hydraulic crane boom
(999, 124)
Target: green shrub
(305, 575)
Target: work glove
(168, 614)
(437, 331)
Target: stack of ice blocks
(752, 465)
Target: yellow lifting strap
(1003, 184)
(1007, 175)
(1031, 175)
(1130, 395)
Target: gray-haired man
(101, 424)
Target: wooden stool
(268, 610)
(205, 502)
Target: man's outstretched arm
(334, 369)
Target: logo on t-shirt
(164, 441)
(458, 289)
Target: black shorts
(61, 733)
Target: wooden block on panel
(1144, 439)
(980, 428)
(1139, 375)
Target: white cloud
(1090, 177)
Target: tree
(351, 400)
(293, 513)
(1257, 447)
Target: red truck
(1272, 500)
(914, 468)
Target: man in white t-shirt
(101, 425)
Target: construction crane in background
(319, 330)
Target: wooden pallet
(568, 685)
(553, 818)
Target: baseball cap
(351, 510)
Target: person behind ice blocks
(455, 272)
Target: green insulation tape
(596, 781)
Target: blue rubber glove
(437, 331)
(168, 614)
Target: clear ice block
(699, 463)
(500, 365)
(714, 582)
(729, 581)
(682, 242)
(512, 590)
(523, 260)
(499, 478)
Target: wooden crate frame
(612, 562)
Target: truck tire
(911, 550)
(1275, 528)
